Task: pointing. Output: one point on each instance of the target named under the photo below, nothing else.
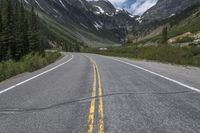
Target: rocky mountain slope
(167, 8)
(183, 29)
(103, 7)
(164, 13)
(90, 22)
(99, 23)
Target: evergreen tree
(0, 37)
(164, 37)
(22, 45)
(19, 31)
(77, 47)
(41, 37)
(24, 29)
(19, 51)
(12, 37)
(5, 29)
(8, 36)
(33, 33)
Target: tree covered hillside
(19, 31)
(23, 32)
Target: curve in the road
(36, 76)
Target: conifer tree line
(67, 44)
(19, 31)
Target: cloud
(135, 7)
(140, 6)
(118, 2)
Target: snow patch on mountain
(173, 14)
(100, 10)
(62, 3)
(39, 5)
(26, 2)
(139, 19)
(131, 16)
(98, 26)
(110, 14)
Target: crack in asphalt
(32, 110)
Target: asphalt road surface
(97, 94)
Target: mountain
(164, 13)
(98, 23)
(167, 8)
(95, 23)
(103, 6)
(182, 28)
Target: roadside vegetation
(28, 63)
(24, 38)
(164, 53)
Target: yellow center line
(100, 105)
(101, 113)
(92, 105)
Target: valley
(100, 24)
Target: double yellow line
(91, 118)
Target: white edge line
(154, 73)
(25, 81)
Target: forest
(19, 31)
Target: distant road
(97, 94)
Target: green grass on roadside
(166, 54)
(29, 63)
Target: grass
(165, 53)
(29, 63)
(191, 24)
(185, 39)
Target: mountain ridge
(167, 8)
(99, 23)
(112, 25)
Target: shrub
(185, 39)
(164, 53)
(28, 63)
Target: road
(97, 94)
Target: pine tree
(40, 36)
(18, 31)
(12, 37)
(164, 37)
(24, 29)
(22, 45)
(33, 33)
(5, 22)
(0, 37)
(77, 47)
(8, 38)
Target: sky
(136, 7)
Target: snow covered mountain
(167, 8)
(103, 7)
(100, 17)
(99, 21)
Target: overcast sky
(136, 7)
